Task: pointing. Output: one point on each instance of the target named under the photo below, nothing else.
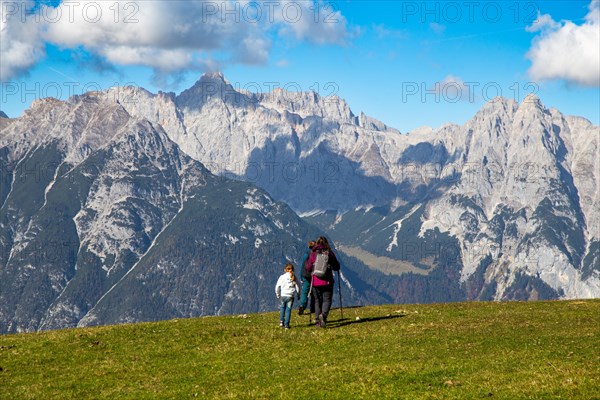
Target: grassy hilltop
(536, 350)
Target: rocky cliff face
(524, 202)
(105, 220)
(110, 211)
(518, 183)
(291, 144)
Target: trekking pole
(309, 301)
(340, 292)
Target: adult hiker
(306, 275)
(322, 262)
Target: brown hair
(322, 240)
(289, 267)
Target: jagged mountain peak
(421, 131)
(211, 86)
(531, 105)
(79, 125)
(374, 124)
(214, 87)
(209, 80)
(130, 91)
(501, 107)
(498, 106)
(3, 114)
(213, 76)
(44, 102)
(533, 99)
(581, 122)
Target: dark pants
(304, 294)
(323, 297)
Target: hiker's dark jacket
(306, 272)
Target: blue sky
(406, 63)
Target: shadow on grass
(338, 323)
(333, 323)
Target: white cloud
(317, 22)
(253, 50)
(21, 45)
(437, 28)
(168, 36)
(542, 23)
(566, 50)
(453, 89)
(160, 59)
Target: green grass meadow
(511, 350)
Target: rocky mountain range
(105, 220)
(124, 205)
(518, 183)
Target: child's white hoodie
(286, 287)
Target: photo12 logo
(72, 11)
(269, 11)
(27, 92)
(452, 12)
(129, 12)
(453, 91)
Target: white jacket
(286, 287)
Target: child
(286, 289)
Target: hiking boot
(321, 321)
(300, 310)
